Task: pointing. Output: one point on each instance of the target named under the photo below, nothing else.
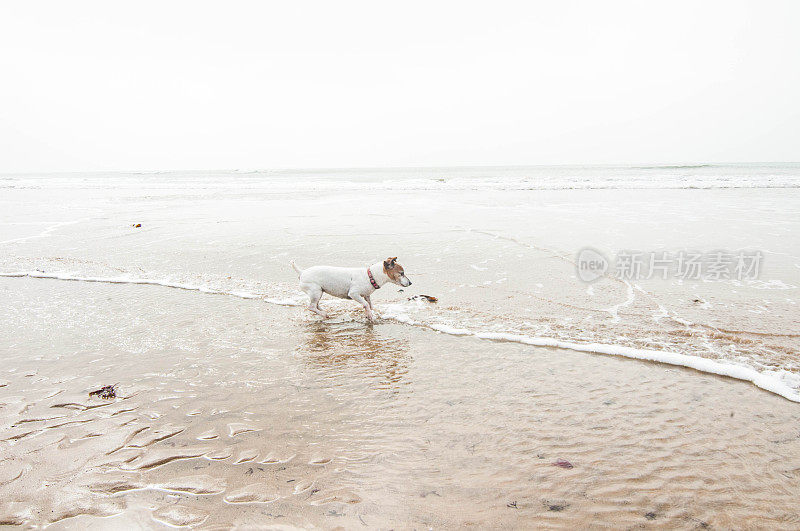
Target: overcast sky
(199, 85)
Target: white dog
(355, 283)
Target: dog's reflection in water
(348, 349)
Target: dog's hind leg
(314, 293)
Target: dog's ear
(389, 262)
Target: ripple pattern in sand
(338, 424)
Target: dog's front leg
(371, 307)
(361, 300)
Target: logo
(590, 264)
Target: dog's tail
(294, 266)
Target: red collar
(372, 280)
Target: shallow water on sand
(238, 407)
(237, 412)
(501, 258)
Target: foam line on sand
(769, 382)
(152, 282)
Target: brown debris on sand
(136, 225)
(107, 392)
(424, 297)
(563, 463)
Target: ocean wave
(429, 179)
(781, 383)
(463, 185)
(151, 282)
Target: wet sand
(237, 407)
(237, 412)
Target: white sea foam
(44, 233)
(771, 284)
(153, 282)
(662, 313)
(447, 179)
(782, 383)
(614, 310)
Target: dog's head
(395, 272)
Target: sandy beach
(564, 234)
(515, 399)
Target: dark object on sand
(137, 225)
(513, 504)
(108, 392)
(650, 516)
(424, 297)
(563, 463)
